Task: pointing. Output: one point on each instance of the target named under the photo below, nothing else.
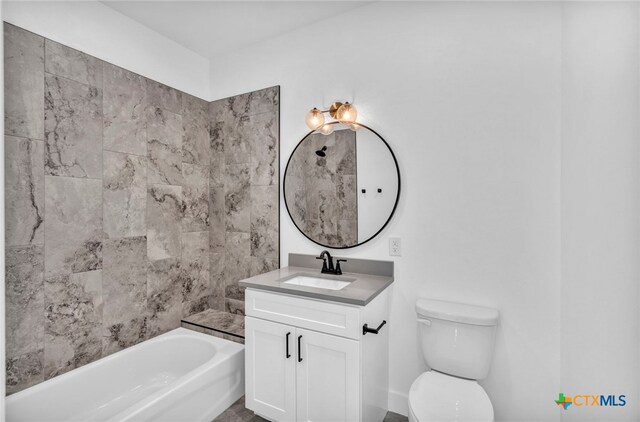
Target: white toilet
(457, 344)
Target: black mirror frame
(395, 205)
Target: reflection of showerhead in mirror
(321, 152)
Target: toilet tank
(457, 339)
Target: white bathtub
(179, 376)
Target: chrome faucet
(327, 263)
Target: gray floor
(238, 413)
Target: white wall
(93, 28)
(375, 170)
(600, 204)
(498, 208)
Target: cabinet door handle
(287, 342)
(299, 350)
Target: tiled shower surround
(244, 189)
(129, 205)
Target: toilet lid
(439, 397)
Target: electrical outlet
(395, 246)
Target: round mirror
(342, 189)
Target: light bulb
(354, 127)
(347, 113)
(314, 119)
(326, 129)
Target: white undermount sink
(318, 282)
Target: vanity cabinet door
(270, 371)
(328, 377)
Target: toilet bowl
(439, 397)
(457, 344)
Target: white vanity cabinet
(308, 360)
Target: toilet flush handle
(425, 322)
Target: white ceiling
(210, 28)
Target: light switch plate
(395, 246)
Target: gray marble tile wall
(322, 191)
(107, 195)
(243, 193)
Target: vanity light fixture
(315, 118)
(327, 129)
(344, 113)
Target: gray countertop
(361, 291)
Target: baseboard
(398, 403)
